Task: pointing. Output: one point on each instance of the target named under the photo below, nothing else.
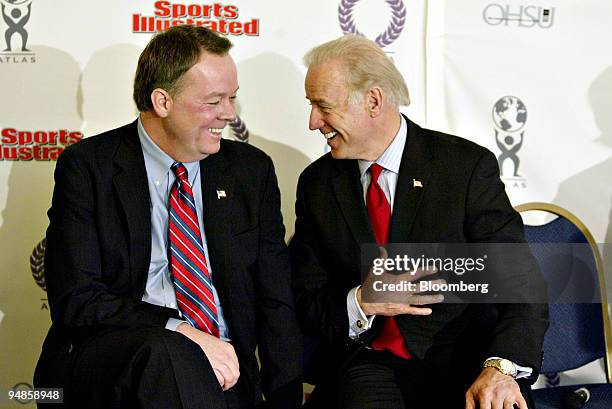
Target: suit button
(359, 324)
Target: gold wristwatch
(504, 366)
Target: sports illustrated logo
(496, 14)
(19, 145)
(16, 14)
(214, 16)
(393, 31)
(509, 117)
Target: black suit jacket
(462, 200)
(99, 247)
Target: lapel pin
(220, 194)
(416, 183)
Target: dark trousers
(380, 380)
(146, 368)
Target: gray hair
(366, 65)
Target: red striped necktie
(379, 212)
(192, 282)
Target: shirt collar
(392, 156)
(161, 160)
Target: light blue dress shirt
(160, 288)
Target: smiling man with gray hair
(387, 180)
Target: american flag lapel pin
(416, 183)
(220, 194)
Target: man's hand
(399, 302)
(494, 390)
(390, 309)
(220, 354)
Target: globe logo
(509, 114)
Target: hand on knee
(220, 354)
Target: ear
(374, 101)
(162, 102)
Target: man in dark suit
(387, 180)
(166, 264)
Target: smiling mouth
(216, 131)
(330, 135)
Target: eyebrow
(317, 100)
(219, 94)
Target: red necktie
(192, 281)
(379, 212)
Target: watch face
(507, 367)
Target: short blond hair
(366, 65)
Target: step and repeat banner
(527, 79)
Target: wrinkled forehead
(326, 80)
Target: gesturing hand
(220, 354)
(399, 302)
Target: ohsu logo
(496, 14)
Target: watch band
(504, 366)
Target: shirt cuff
(173, 323)
(521, 371)
(358, 321)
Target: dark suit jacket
(99, 247)
(462, 200)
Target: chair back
(572, 266)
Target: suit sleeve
(490, 218)
(79, 298)
(278, 333)
(322, 309)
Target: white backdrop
(459, 59)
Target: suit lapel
(217, 196)
(414, 175)
(349, 194)
(130, 182)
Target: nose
(228, 110)
(315, 121)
